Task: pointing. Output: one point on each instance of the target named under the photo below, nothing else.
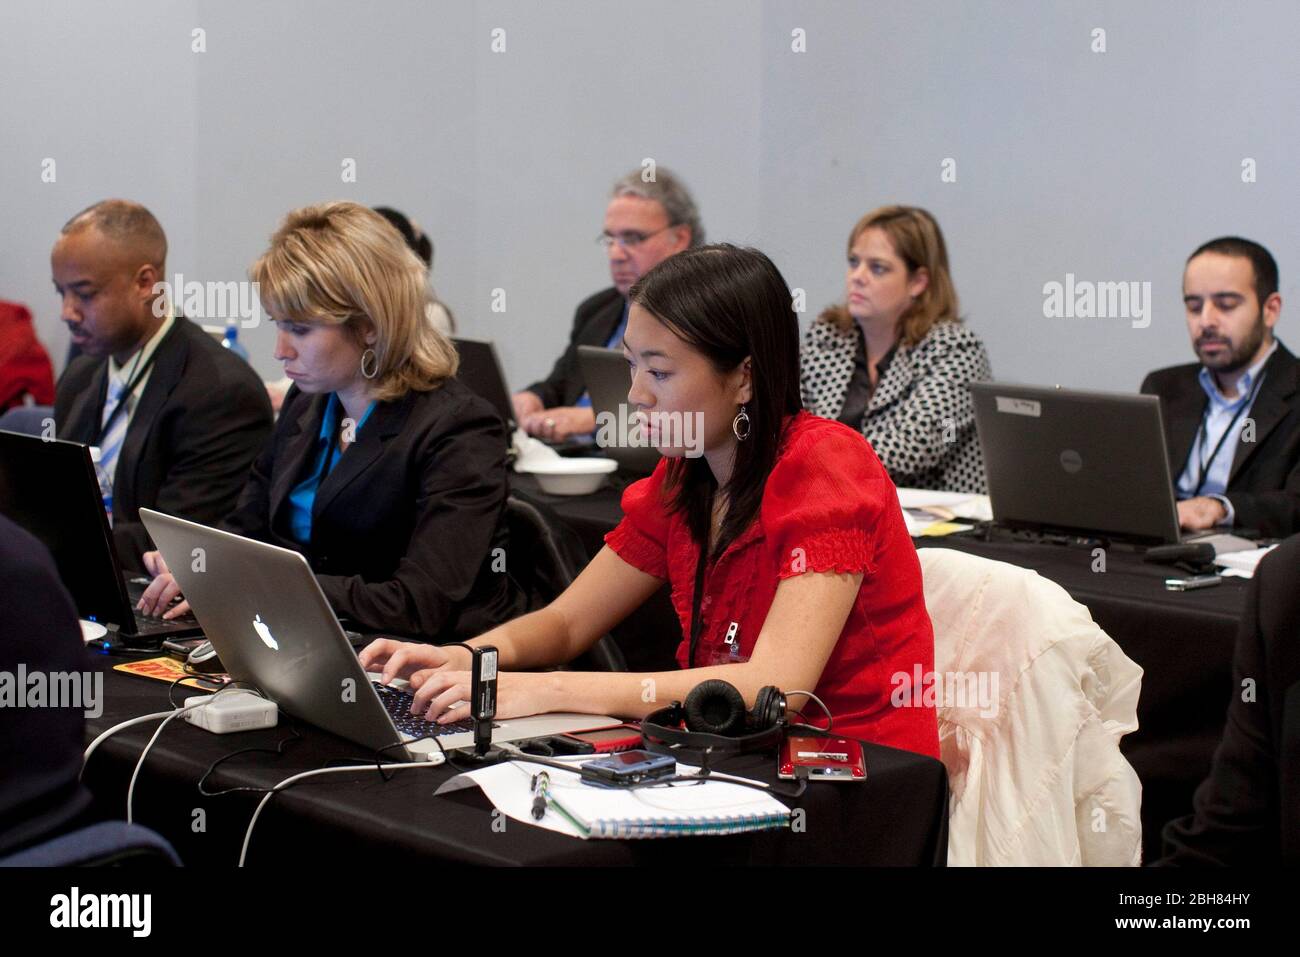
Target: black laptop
(48, 487)
(481, 371)
(1062, 460)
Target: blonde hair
(918, 241)
(341, 264)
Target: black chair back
(554, 557)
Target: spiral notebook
(714, 807)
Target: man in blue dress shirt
(1232, 421)
(647, 220)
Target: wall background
(1112, 166)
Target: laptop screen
(49, 488)
(1084, 462)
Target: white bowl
(575, 476)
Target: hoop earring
(372, 357)
(740, 421)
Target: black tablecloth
(591, 516)
(1182, 640)
(898, 817)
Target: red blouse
(828, 506)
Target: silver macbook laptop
(605, 372)
(1084, 462)
(267, 618)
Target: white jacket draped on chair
(1036, 773)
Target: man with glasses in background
(645, 223)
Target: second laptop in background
(1091, 463)
(48, 486)
(606, 373)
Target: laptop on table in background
(48, 486)
(268, 620)
(1084, 463)
(606, 374)
(481, 371)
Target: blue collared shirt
(1218, 417)
(614, 342)
(303, 496)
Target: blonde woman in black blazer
(386, 472)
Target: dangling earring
(370, 356)
(741, 421)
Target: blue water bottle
(231, 340)
(105, 483)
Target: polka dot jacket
(920, 420)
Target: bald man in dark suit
(178, 419)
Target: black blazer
(40, 748)
(406, 527)
(1264, 482)
(199, 423)
(1248, 810)
(594, 322)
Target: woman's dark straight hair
(730, 304)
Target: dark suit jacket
(405, 526)
(1264, 482)
(1248, 810)
(199, 423)
(594, 322)
(40, 748)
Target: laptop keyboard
(187, 620)
(144, 624)
(397, 702)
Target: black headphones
(717, 723)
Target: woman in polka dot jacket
(894, 361)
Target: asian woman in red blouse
(809, 580)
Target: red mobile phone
(827, 759)
(609, 740)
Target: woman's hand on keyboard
(444, 696)
(404, 659)
(157, 598)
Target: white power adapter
(235, 710)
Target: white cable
(188, 705)
(130, 790)
(289, 781)
(830, 719)
(116, 728)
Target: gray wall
(1111, 166)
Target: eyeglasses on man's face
(629, 239)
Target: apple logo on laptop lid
(264, 633)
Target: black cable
(361, 764)
(296, 735)
(229, 684)
(402, 744)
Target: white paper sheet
(509, 787)
(1241, 564)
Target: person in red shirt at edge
(810, 568)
